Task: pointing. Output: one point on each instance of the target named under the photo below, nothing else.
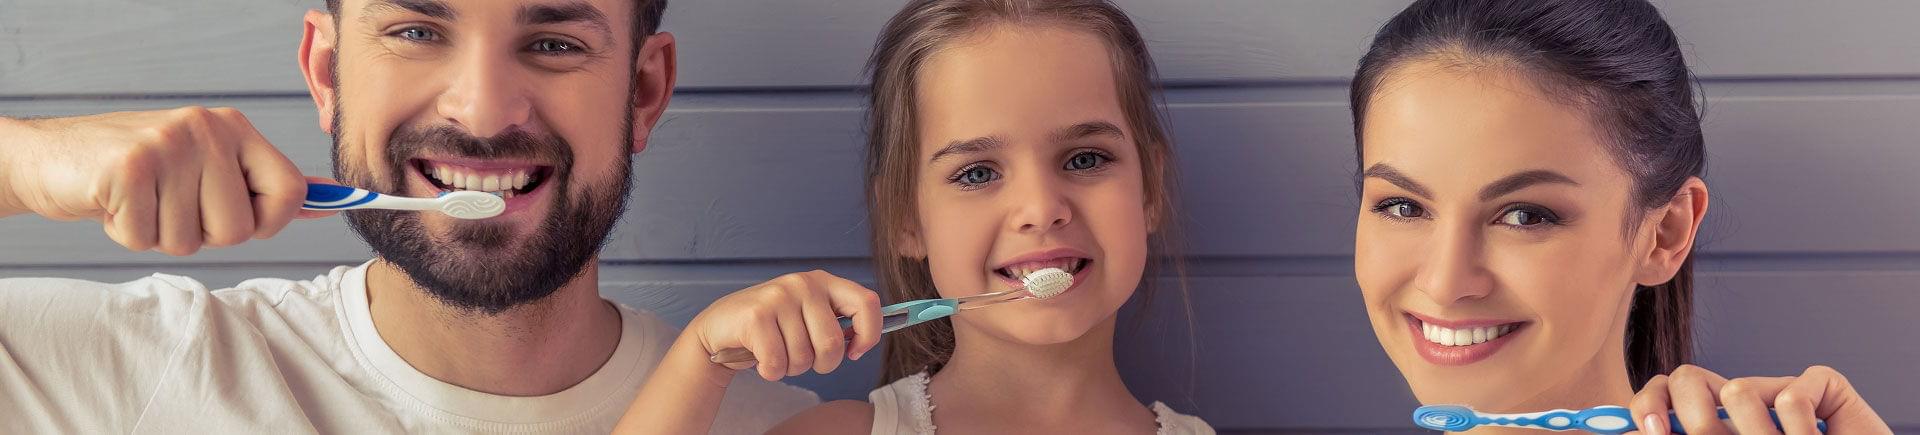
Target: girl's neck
(1065, 385)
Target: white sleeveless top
(904, 408)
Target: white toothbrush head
(1048, 282)
(467, 204)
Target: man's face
(531, 100)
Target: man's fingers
(226, 212)
(277, 186)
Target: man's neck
(535, 349)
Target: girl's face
(1493, 247)
(1026, 162)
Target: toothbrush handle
(322, 196)
(1673, 421)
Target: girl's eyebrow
(970, 146)
(1088, 129)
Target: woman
(1530, 191)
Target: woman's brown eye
(1408, 210)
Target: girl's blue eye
(975, 175)
(1085, 160)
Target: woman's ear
(1674, 227)
(317, 55)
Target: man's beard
(476, 266)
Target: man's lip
(1044, 255)
(484, 164)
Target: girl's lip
(1043, 255)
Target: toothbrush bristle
(1047, 283)
(468, 204)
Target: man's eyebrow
(970, 146)
(565, 12)
(431, 8)
(1391, 175)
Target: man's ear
(317, 54)
(1674, 227)
(655, 86)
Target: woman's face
(1493, 247)
(1026, 162)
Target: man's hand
(171, 180)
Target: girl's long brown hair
(917, 32)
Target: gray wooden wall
(1810, 254)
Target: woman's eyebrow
(1388, 173)
(1522, 180)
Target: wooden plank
(246, 47)
(741, 178)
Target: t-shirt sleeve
(754, 405)
(86, 357)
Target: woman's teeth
(504, 184)
(1464, 337)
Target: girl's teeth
(1463, 337)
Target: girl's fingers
(823, 327)
(863, 306)
(793, 327)
(769, 347)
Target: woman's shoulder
(836, 417)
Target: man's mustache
(450, 141)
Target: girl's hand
(791, 323)
(1695, 394)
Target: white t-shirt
(163, 354)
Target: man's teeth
(1464, 337)
(1020, 271)
(503, 183)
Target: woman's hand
(1696, 394)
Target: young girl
(1005, 137)
(1530, 190)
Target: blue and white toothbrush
(1604, 420)
(464, 204)
(1040, 284)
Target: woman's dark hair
(1615, 59)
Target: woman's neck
(1603, 380)
(990, 384)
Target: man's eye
(418, 34)
(553, 46)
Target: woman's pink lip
(1460, 324)
(1456, 355)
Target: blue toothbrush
(462, 204)
(1605, 420)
